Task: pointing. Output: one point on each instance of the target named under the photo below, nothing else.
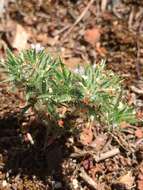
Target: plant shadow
(25, 159)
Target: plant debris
(81, 33)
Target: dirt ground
(81, 32)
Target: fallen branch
(99, 158)
(87, 179)
(106, 155)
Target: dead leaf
(139, 133)
(127, 180)
(101, 186)
(140, 184)
(140, 176)
(42, 38)
(52, 41)
(92, 36)
(131, 99)
(61, 123)
(141, 170)
(139, 114)
(84, 110)
(86, 136)
(20, 38)
(96, 169)
(86, 100)
(107, 16)
(99, 142)
(124, 125)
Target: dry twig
(88, 179)
(98, 158)
(106, 155)
(104, 5)
(137, 90)
(138, 60)
(79, 18)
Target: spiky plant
(49, 85)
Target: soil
(80, 32)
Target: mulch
(80, 32)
